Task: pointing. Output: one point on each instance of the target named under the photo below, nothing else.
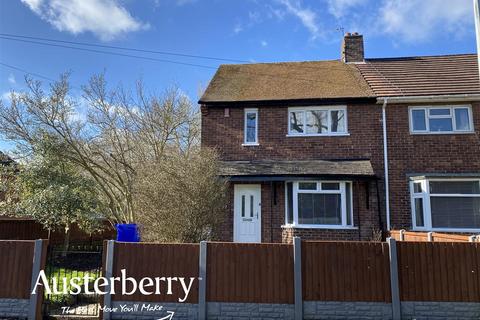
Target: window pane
(317, 121)
(444, 124)
(338, 121)
(419, 220)
(418, 120)
(417, 187)
(251, 206)
(462, 121)
(307, 185)
(454, 187)
(330, 186)
(243, 206)
(348, 187)
(455, 212)
(439, 112)
(296, 122)
(289, 203)
(314, 208)
(251, 127)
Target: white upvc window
(446, 204)
(251, 127)
(317, 121)
(319, 204)
(441, 119)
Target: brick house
(347, 149)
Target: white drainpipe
(385, 162)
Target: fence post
(202, 285)
(402, 235)
(107, 300)
(395, 292)
(297, 270)
(430, 236)
(37, 264)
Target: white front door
(247, 222)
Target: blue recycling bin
(127, 232)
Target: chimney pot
(352, 48)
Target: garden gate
(79, 260)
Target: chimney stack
(352, 48)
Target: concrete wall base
(14, 308)
(311, 310)
(440, 310)
(230, 310)
(346, 310)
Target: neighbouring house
(347, 149)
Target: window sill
(440, 133)
(446, 230)
(317, 135)
(317, 226)
(250, 144)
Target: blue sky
(246, 30)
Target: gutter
(288, 102)
(468, 97)
(385, 162)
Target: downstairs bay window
(446, 205)
(319, 204)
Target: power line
(275, 76)
(123, 48)
(26, 72)
(111, 53)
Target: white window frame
(246, 112)
(452, 108)
(426, 195)
(317, 108)
(342, 191)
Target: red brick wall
(226, 134)
(273, 216)
(364, 141)
(449, 153)
(444, 153)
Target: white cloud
(306, 16)
(238, 28)
(418, 20)
(11, 79)
(339, 8)
(107, 19)
(6, 97)
(404, 20)
(184, 2)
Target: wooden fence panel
(345, 271)
(157, 260)
(22, 229)
(418, 236)
(240, 272)
(16, 264)
(439, 271)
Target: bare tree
(120, 136)
(181, 199)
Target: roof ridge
(426, 56)
(276, 63)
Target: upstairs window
(450, 205)
(454, 119)
(251, 127)
(317, 121)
